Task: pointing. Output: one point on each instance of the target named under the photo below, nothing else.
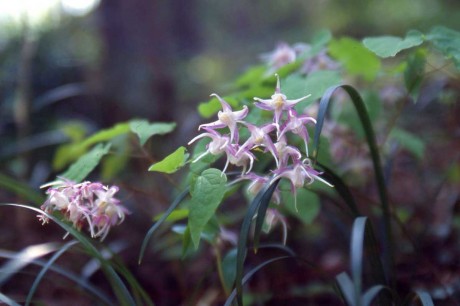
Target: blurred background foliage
(69, 68)
(108, 61)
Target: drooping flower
(277, 103)
(274, 217)
(239, 158)
(217, 145)
(320, 61)
(87, 203)
(296, 124)
(107, 212)
(256, 184)
(300, 174)
(227, 118)
(281, 56)
(260, 136)
(284, 152)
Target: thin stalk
(220, 271)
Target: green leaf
(389, 46)
(447, 41)
(414, 73)
(21, 189)
(229, 267)
(69, 152)
(207, 194)
(308, 205)
(409, 141)
(145, 130)
(172, 162)
(355, 57)
(252, 76)
(175, 215)
(79, 170)
(315, 84)
(318, 42)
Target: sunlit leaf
(207, 194)
(447, 41)
(145, 129)
(355, 57)
(172, 162)
(86, 163)
(69, 152)
(388, 46)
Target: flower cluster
(87, 203)
(271, 137)
(285, 54)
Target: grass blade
(7, 300)
(423, 296)
(157, 224)
(371, 293)
(71, 276)
(21, 189)
(229, 300)
(356, 256)
(370, 138)
(266, 192)
(45, 268)
(23, 258)
(123, 295)
(346, 286)
(341, 188)
(261, 212)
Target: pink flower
(260, 136)
(227, 118)
(217, 145)
(284, 152)
(278, 103)
(86, 203)
(239, 158)
(281, 56)
(296, 124)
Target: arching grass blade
(157, 224)
(45, 268)
(249, 275)
(265, 193)
(370, 138)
